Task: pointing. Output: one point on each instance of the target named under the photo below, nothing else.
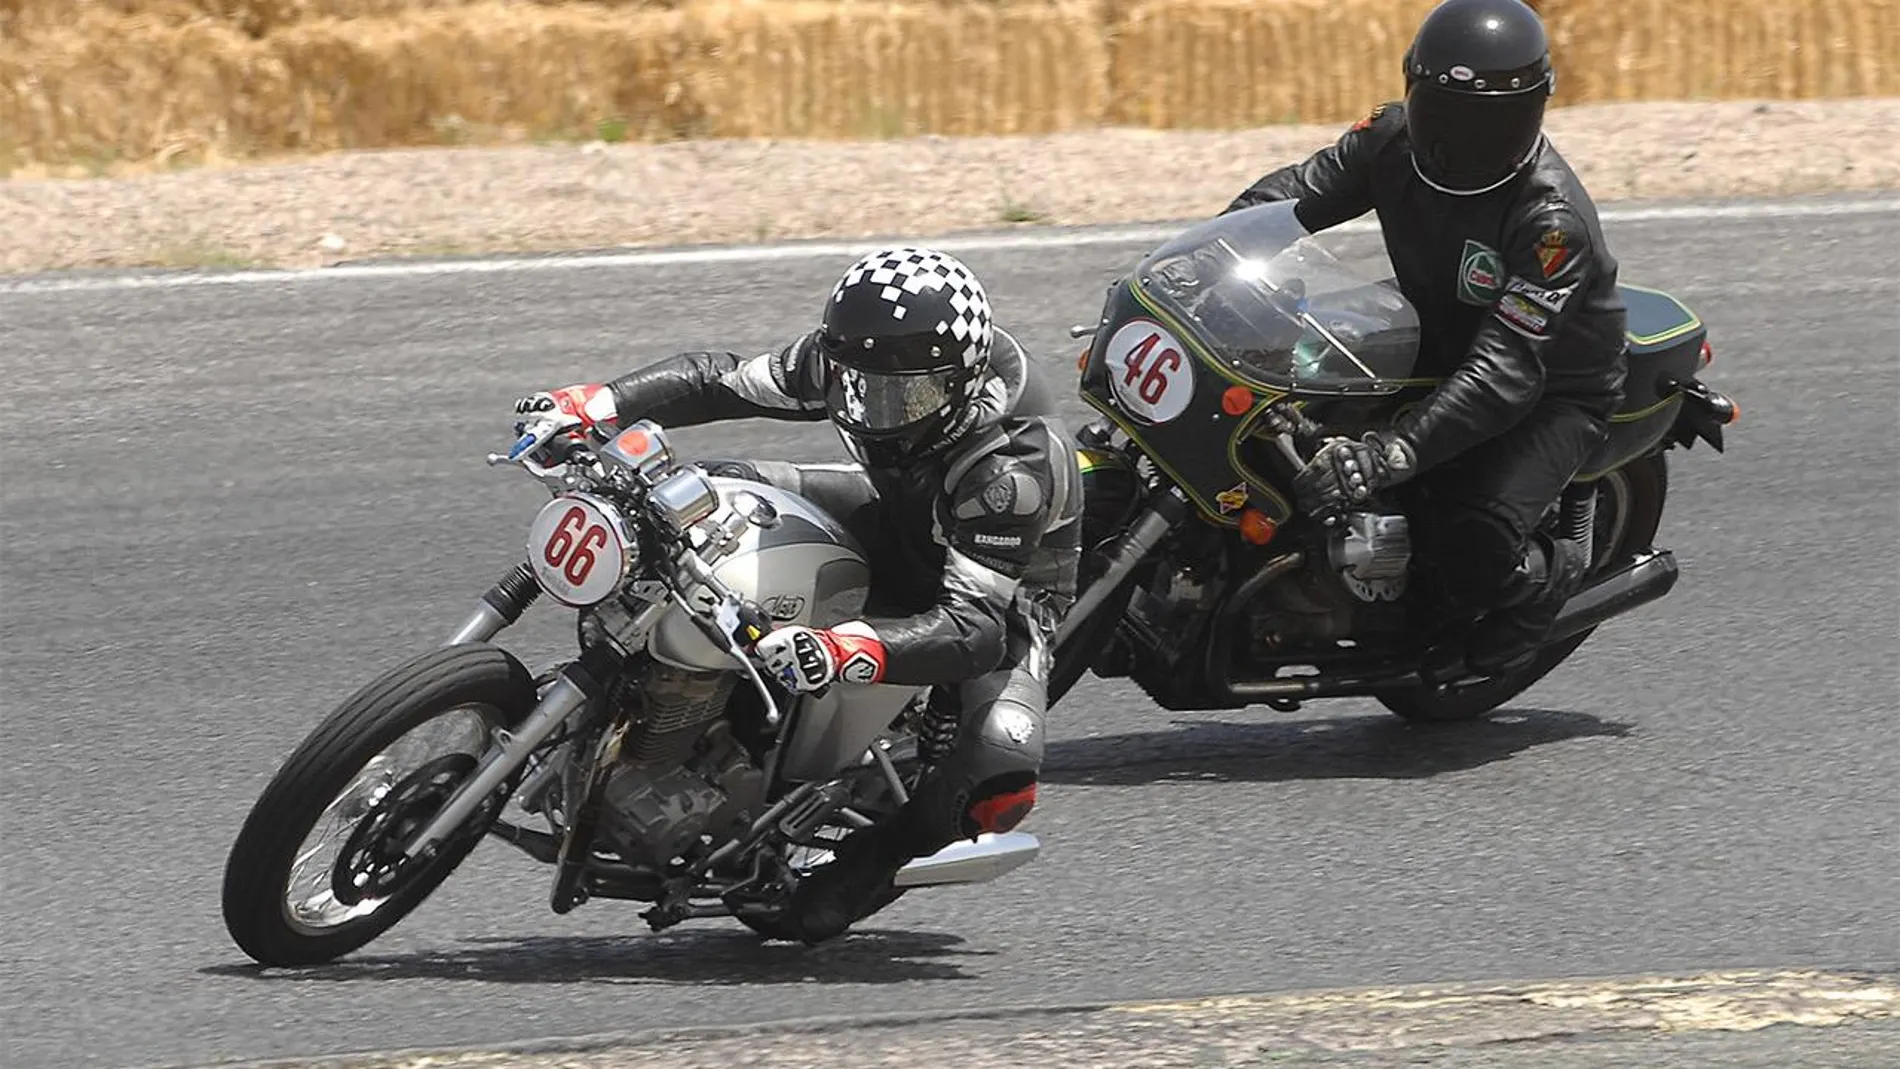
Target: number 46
(1154, 376)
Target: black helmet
(1477, 77)
(906, 336)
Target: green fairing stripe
(1632, 417)
(1128, 428)
(1282, 509)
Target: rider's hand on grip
(1345, 474)
(806, 660)
(583, 406)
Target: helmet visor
(880, 402)
(1467, 142)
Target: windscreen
(1266, 298)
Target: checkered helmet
(906, 334)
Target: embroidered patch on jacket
(1551, 300)
(1523, 316)
(1367, 122)
(1553, 251)
(1480, 274)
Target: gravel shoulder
(309, 212)
(1741, 1019)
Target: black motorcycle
(1219, 365)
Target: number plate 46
(1150, 371)
(578, 548)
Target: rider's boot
(847, 889)
(1509, 636)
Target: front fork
(579, 681)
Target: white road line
(1130, 235)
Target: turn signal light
(1256, 528)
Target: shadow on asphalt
(1372, 747)
(868, 956)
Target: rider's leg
(985, 782)
(1480, 538)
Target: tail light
(1707, 357)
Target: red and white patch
(1150, 371)
(578, 550)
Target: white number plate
(1150, 371)
(578, 549)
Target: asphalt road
(224, 507)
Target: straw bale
(1724, 49)
(1233, 63)
(29, 18)
(472, 73)
(787, 69)
(135, 89)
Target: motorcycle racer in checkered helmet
(965, 494)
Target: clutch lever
(1293, 431)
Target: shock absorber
(938, 726)
(1578, 519)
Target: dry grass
(189, 80)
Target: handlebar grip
(754, 623)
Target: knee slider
(999, 804)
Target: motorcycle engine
(1371, 553)
(681, 772)
(1350, 592)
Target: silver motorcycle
(660, 763)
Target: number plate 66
(579, 550)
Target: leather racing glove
(1345, 473)
(583, 406)
(807, 659)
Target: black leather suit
(1516, 294)
(973, 551)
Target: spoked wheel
(318, 869)
(875, 801)
(1628, 511)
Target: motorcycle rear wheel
(1629, 511)
(371, 774)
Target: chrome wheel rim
(311, 904)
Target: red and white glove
(581, 406)
(805, 659)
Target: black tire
(1643, 488)
(483, 678)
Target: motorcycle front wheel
(317, 870)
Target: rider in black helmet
(964, 496)
(1494, 240)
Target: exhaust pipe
(1644, 580)
(981, 861)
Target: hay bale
(787, 69)
(28, 18)
(469, 73)
(108, 90)
(1724, 49)
(1234, 63)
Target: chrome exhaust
(981, 861)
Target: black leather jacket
(978, 535)
(1515, 288)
